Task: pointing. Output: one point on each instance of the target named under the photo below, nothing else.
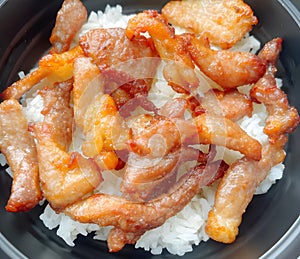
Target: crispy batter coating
(18, 146)
(282, 118)
(223, 22)
(100, 120)
(111, 47)
(238, 185)
(231, 104)
(127, 67)
(136, 218)
(87, 84)
(227, 68)
(224, 132)
(69, 20)
(64, 177)
(179, 68)
(235, 192)
(58, 65)
(203, 129)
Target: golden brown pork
(69, 20)
(223, 22)
(133, 218)
(64, 177)
(17, 144)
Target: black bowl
(270, 225)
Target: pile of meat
(97, 87)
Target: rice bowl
(204, 203)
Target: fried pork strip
(203, 129)
(127, 67)
(223, 22)
(100, 122)
(86, 85)
(236, 191)
(111, 48)
(178, 70)
(69, 20)
(147, 177)
(60, 66)
(238, 185)
(18, 146)
(227, 68)
(282, 118)
(224, 132)
(231, 104)
(133, 218)
(64, 177)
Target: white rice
(179, 233)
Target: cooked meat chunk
(17, 144)
(227, 68)
(223, 22)
(64, 177)
(136, 218)
(69, 20)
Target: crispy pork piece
(282, 118)
(203, 129)
(231, 104)
(178, 70)
(59, 66)
(227, 68)
(159, 137)
(146, 178)
(236, 191)
(174, 108)
(166, 43)
(64, 177)
(58, 113)
(133, 218)
(87, 84)
(224, 132)
(17, 144)
(238, 185)
(223, 22)
(110, 48)
(69, 20)
(127, 67)
(100, 123)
